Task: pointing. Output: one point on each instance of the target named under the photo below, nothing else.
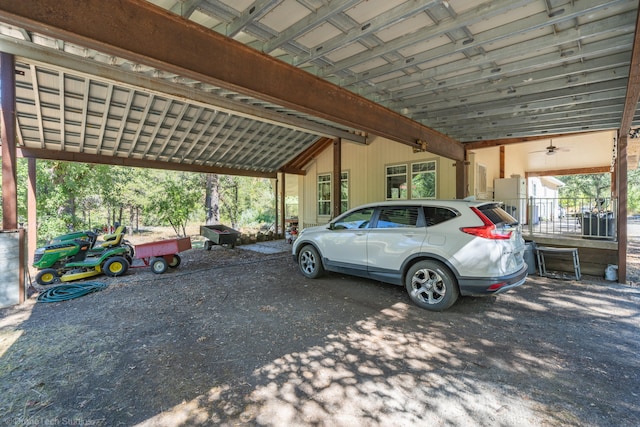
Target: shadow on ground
(238, 337)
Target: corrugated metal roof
(472, 70)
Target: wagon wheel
(208, 244)
(175, 261)
(159, 265)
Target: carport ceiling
(470, 70)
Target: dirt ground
(240, 337)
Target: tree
(590, 186)
(126, 188)
(79, 196)
(594, 187)
(247, 201)
(62, 188)
(212, 199)
(176, 197)
(229, 199)
(633, 195)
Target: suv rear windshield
(497, 215)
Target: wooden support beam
(8, 137)
(462, 177)
(622, 186)
(337, 177)
(573, 171)
(39, 153)
(147, 34)
(509, 141)
(283, 194)
(633, 86)
(32, 213)
(297, 165)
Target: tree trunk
(72, 212)
(132, 218)
(212, 199)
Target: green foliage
(424, 186)
(595, 186)
(633, 192)
(591, 186)
(246, 201)
(79, 196)
(175, 198)
(62, 188)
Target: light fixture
(421, 146)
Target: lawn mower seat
(111, 240)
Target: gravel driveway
(239, 337)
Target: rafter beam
(631, 100)
(509, 141)
(63, 61)
(39, 153)
(253, 12)
(141, 32)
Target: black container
(597, 225)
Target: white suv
(437, 249)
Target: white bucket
(611, 273)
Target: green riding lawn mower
(78, 255)
(108, 240)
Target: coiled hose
(70, 291)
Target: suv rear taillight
(488, 230)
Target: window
(434, 215)
(482, 180)
(398, 216)
(357, 219)
(497, 215)
(324, 194)
(344, 191)
(397, 182)
(423, 180)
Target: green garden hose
(70, 291)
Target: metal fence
(575, 217)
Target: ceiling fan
(551, 149)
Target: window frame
(344, 191)
(408, 178)
(389, 191)
(433, 172)
(323, 179)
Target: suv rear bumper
(491, 285)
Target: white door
(394, 237)
(346, 245)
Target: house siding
(366, 167)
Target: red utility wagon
(161, 254)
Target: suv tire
(310, 263)
(431, 285)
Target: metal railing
(575, 217)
